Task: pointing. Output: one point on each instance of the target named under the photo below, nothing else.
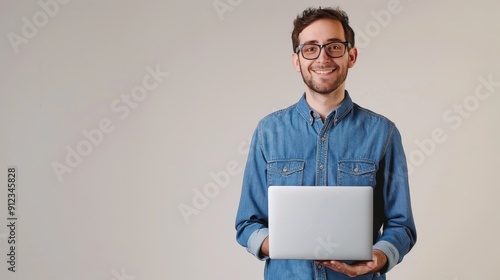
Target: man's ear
(296, 62)
(352, 56)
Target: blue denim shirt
(353, 146)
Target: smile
(323, 71)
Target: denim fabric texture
(352, 147)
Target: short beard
(327, 90)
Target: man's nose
(323, 56)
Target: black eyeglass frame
(301, 46)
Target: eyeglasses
(333, 49)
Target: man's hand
(264, 248)
(378, 262)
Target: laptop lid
(320, 223)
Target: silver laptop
(320, 223)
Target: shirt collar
(308, 114)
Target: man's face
(324, 75)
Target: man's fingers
(379, 260)
(350, 270)
(371, 264)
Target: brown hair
(312, 14)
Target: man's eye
(335, 47)
(310, 49)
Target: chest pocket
(285, 172)
(356, 173)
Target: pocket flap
(286, 167)
(357, 167)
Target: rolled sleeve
(255, 242)
(391, 252)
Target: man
(326, 140)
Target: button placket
(319, 272)
(322, 154)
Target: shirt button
(323, 139)
(321, 167)
(356, 170)
(320, 266)
(285, 169)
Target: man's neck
(323, 104)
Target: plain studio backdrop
(128, 123)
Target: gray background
(117, 214)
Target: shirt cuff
(390, 251)
(255, 242)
